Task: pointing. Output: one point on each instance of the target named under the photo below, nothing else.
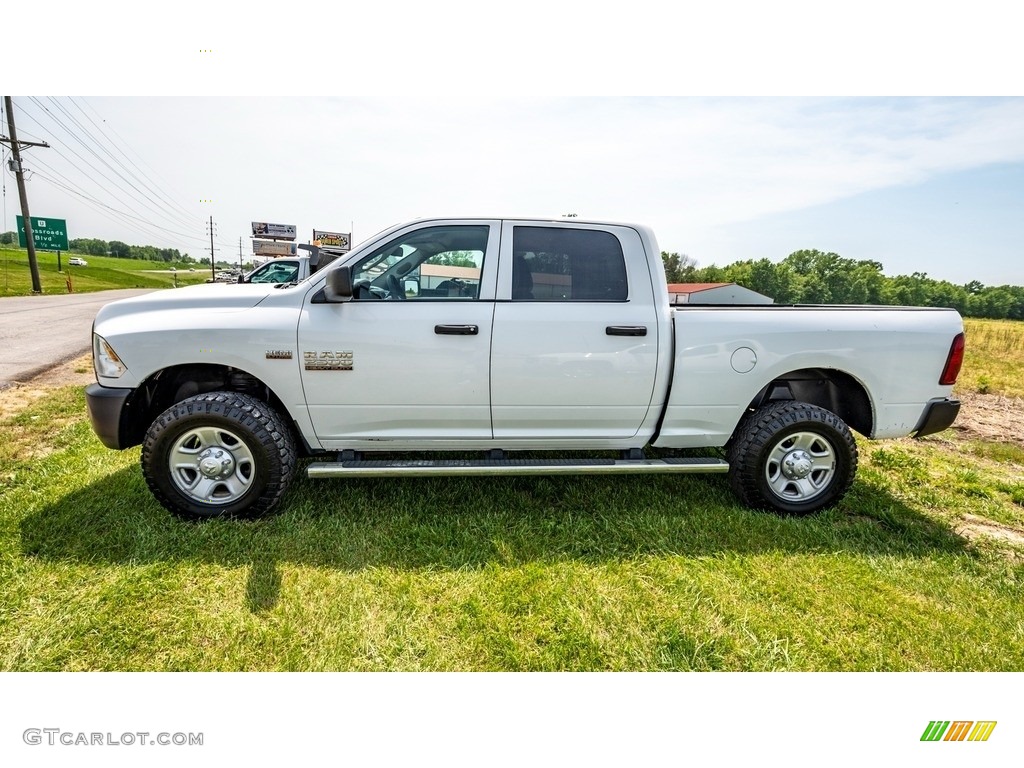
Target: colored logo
(958, 730)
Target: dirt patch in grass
(991, 417)
(19, 395)
(973, 528)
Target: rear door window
(557, 264)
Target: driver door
(407, 359)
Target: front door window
(430, 263)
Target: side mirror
(241, 278)
(339, 285)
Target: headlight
(105, 361)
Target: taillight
(953, 361)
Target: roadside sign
(278, 231)
(340, 240)
(271, 248)
(48, 234)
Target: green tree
(6, 238)
(974, 287)
(709, 274)
(816, 277)
(908, 291)
(836, 280)
(945, 294)
(813, 289)
(89, 245)
(991, 303)
(120, 250)
(455, 259)
(775, 280)
(679, 268)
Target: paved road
(38, 332)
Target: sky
(800, 141)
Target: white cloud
(683, 165)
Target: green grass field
(102, 273)
(619, 573)
(993, 357)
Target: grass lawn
(644, 573)
(993, 357)
(101, 273)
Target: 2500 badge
(327, 361)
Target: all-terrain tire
(219, 454)
(791, 457)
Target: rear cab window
(560, 264)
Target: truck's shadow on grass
(453, 523)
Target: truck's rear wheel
(792, 457)
(218, 454)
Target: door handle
(626, 330)
(457, 330)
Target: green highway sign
(48, 234)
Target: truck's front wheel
(218, 454)
(792, 457)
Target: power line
(100, 172)
(125, 212)
(101, 145)
(80, 192)
(147, 202)
(86, 174)
(145, 222)
(127, 146)
(99, 127)
(99, 210)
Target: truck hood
(208, 297)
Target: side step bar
(451, 467)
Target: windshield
(284, 271)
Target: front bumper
(106, 404)
(937, 416)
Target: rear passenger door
(575, 339)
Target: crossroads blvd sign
(48, 234)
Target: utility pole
(33, 266)
(240, 267)
(213, 269)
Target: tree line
(91, 246)
(803, 277)
(119, 250)
(813, 277)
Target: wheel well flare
(172, 385)
(831, 389)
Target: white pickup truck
(497, 336)
(280, 270)
(291, 269)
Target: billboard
(48, 234)
(272, 248)
(340, 240)
(280, 231)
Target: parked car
(75, 261)
(558, 337)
